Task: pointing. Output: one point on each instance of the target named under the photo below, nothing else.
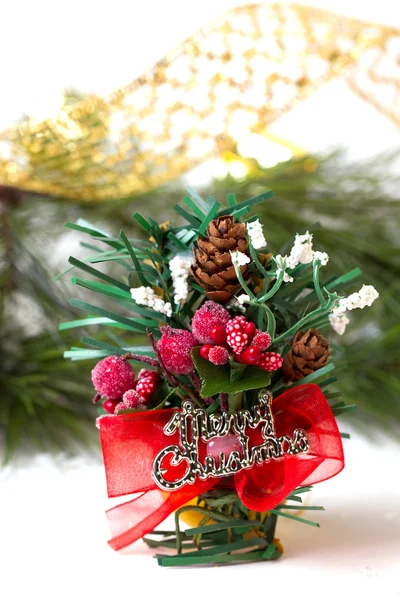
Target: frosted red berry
(218, 355)
(237, 341)
(113, 376)
(155, 375)
(130, 400)
(240, 319)
(270, 361)
(262, 340)
(146, 387)
(208, 316)
(205, 350)
(236, 337)
(250, 330)
(133, 398)
(218, 334)
(110, 406)
(251, 355)
(175, 348)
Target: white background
(52, 526)
(54, 532)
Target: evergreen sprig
(227, 531)
(279, 308)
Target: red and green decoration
(235, 354)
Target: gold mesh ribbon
(235, 76)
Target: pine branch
(226, 528)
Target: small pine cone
(213, 268)
(270, 361)
(310, 352)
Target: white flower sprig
(239, 259)
(256, 234)
(365, 297)
(281, 265)
(145, 296)
(179, 268)
(301, 252)
(338, 322)
(243, 299)
(322, 257)
(238, 303)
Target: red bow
(131, 442)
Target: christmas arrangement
(226, 414)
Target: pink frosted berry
(218, 355)
(236, 337)
(208, 316)
(130, 400)
(175, 347)
(113, 376)
(270, 361)
(262, 340)
(146, 386)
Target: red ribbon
(131, 442)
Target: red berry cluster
(141, 393)
(245, 341)
(114, 378)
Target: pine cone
(213, 268)
(310, 352)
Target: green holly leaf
(217, 379)
(237, 371)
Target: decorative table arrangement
(227, 416)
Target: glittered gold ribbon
(237, 75)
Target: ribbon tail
(134, 519)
